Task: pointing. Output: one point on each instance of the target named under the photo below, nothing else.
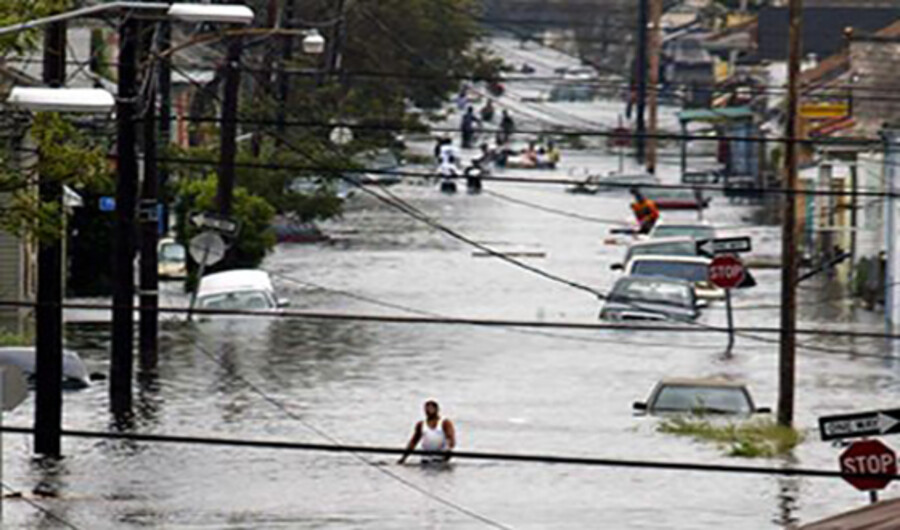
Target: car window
(679, 248)
(172, 252)
(692, 272)
(245, 300)
(651, 291)
(713, 399)
(697, 232)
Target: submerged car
(698, 231)
(694, 269)
(667, 246)
(74, 373)
(640, 298)
(171, 260)
(699, 396)
(238, 290)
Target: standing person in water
(435, 434)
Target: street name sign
(868, 465)
(726, 271)
(859, 425)
(226, 226)
(730, 245)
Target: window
(246, 300)
(651, 291)
(710, 399)
(692, 272)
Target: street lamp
(314, 43)
(224, 14)
(90, 100)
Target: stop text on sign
(726, 271)
(868, 465)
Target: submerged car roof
(236, 280)
(659, 241)
(666, 257)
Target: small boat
(74, 373)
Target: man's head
(636, 192)
(431, 409)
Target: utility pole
(149, 217)
(656, 11)
(228, 130)
(787, 354)
(164, 80)
(640, 126)
(121, 366)
(891, 138)
(48, 340)
(287, 53)
(336, 40)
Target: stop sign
(868, 457)
(726, 271)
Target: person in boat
(530, 154)
(434, 434)
(645, 210)
(553, 154)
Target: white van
(241, 290)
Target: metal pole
(873, 496)
(149, 215)
(287, 51)
(730, 314)
(655, 45)
(787, 353)
(228, 131)
(48, 340)
(640, 126)
(126, 191)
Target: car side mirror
(284, 302)
(764, 410)
(639, 406)
(616, 267)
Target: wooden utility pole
(787, 354)
(655, 46)
(48, 338)
(641, 74)
(228, 130)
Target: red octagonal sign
(726, 271)
(868, 457)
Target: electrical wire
(555, 211)
(37, 506)
(584, 461)
(336, 443)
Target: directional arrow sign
(860, 425)
(730, 245)
(228, 227)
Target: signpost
(860, 424)
(729, 245)
(13, 391)
(727, 272)
(206, 248)
(226, 226)
(864, 459)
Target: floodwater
(566, 393)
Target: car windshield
(635, 290)
(249, 300)
(172, 252)
(692, 272)
(678, 398)
(695, 231)
(675, 248)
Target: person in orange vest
(645, 210)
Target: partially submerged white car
(238, 290)
(694, 269)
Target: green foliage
(15, 339)
(67, 157)
(18, 11)
(255, 215)
(757, 438)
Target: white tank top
(434, 439)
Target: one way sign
(729, 245)
(860, 425)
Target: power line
(46, 511)
(457, 455)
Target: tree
(254, 214)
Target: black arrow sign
(860, 424)
(729, 245)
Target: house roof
(880, 516)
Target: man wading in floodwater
(436, 435)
